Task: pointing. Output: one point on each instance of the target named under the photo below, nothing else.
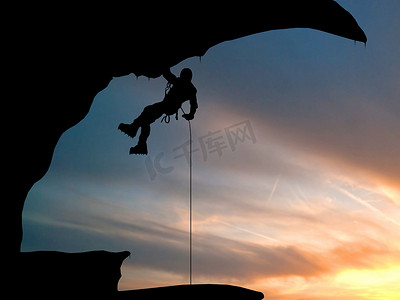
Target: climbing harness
(167, 88)
(167, 118)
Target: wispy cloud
(270, 239)
(274, 188)
(367, 205)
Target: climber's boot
(129, 129)
(139, 149)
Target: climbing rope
(190, 199)
(190, 203)
(166, 119)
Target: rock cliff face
(59, 58)
(95, 275)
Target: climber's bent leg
(149, 115)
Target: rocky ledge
(193, 292)
(95, 275)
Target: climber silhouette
(178, 90)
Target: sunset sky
(296, 169)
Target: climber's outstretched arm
(169, 76)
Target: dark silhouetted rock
(193, 292)
(52, 274)
(95, 275)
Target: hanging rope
(166, 119)
(190, 203)
(190, 198)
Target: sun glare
(391, 193)
(376, 283)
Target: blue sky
(309, 207)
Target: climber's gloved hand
(188, 116)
